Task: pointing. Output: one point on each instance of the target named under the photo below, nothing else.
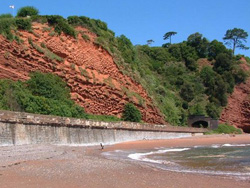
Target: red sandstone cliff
(237, 111)
(95, 81)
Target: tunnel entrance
(200, 124)
(246, 129)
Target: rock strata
(237, 112)
(95, 80)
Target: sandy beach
(70, 166)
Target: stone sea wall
(18, 128)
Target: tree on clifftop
(236, 37)
(200, 43)
(27, 11)
(168, 35)
(150, 41)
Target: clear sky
(141, 20)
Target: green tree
(220, 91)
(191, 64)
(168, 35)
(208, 76)
(200, 43)
(229, 79)
(187, 92)
(216, 87)
(27, 11)
(213, 110)
(197, 109)
(223, 63)
(150, 41)
(188, 51)
(236, 37)
(215, 48)
(175, 51)
(131, 113)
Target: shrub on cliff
(213, 110)
(42, 94)
(61, 25)
(48, 86)
(131, 113)
(187, 92)
(5, 27)
(239, 74)
(106, 37)
(8, 99)
(74, 20)
(215, 48)
(39, 19)
(6, 16)
(223, 63)
(126, 48)
(23, 24)
(42, 105)
(27, 11)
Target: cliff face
(95, 81)
(237, 111)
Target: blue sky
(141, 20)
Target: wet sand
(66, 167)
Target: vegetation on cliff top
(27, 11)
(173, 75)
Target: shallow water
(224, 160)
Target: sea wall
(22, 128)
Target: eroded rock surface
(237, 111)
(95, 81)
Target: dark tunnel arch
(200, 124)
(246, 129)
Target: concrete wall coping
(47, 120)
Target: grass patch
(85, 37)
(47, 29)
(84, 72)
(109, 82)
(52, 33)
(18, 39)
(225, 129)
(73, 66)
(93, 77)
(43, 45)
(52, 55)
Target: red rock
(237, 111)
(95, 80)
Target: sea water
(223, 160)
